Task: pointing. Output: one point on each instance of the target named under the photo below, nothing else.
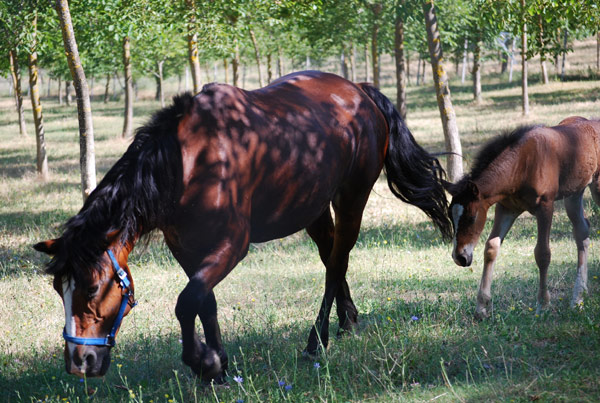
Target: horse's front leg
(581, 232)
(209, 360)
(503, 221)
(542, 251)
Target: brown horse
(527, 170)
(224, 168)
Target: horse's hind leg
(503, 221)
(322, 233)
(347, 227)
(581, 232)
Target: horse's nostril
(461, 260)
(90, 358)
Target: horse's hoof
(481, 314)
(311, 355)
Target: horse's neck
(497, 181)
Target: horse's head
(468, 214)
(95, 299)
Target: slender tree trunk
(374, 46)
(269, 69)
(525, 92)
(235, 65)
(161, 91)
(107, 89)
(343, 64)
(423, 75)
(543, 51)
(465, 61)
(598, 50)
(128, 117)
(419, 70)
(477, 72)
(367, 77)
(564, 55)
(226, 70)
(279, 61)
(60, 93)
(257, 57)
(407, 67)
(68, 95)
(15, 73)
(193, 46)
(36, 106)
(84, 109)
(511, 62)
(451, 136)
(400, 64)
(353, 62)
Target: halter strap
(109, 340)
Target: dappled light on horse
(228, 167)
(527, 170)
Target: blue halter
(109, 340)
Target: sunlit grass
(417, 338)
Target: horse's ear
(473, 188)
(49, 247)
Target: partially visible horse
(527, 170)
(224, 168)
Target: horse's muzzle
(463, 258)
(88, 361)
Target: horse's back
(279, 155)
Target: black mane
(490, 151)
(134, 197)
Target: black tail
(413, 175)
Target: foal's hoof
(208, 368)
(481, 313)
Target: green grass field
(418, 340)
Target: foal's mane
(490, 151)
(133, 198)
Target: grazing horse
(527, 170)
(224, 168)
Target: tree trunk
(36, 106)
(279, 61)
(107, 88)
(524, 91)
(367, 78)
(160, 89)
(60, 93)
(257, 56)
(512, 61)
(400, 65)
(544, 71)
(419, 70)
(84, 109)
(598, 50)
(343, 63)
(193, 46)
(68, 96)
(465, 61)
(407, 68)
(476, 73)
(269, 69)
(564, 55)
(235, 66)
(226, 70)
(423, 76)
(374, 47)
(542, 51)
(15, 73)
(128, 118)
(48, 85)
(451, 136)
(353, 62)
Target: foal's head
(95, 298)
(468, 214)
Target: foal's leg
(503, 221)
(322, 232)
(347, 227)
(581, 232)
(542, 251)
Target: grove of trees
(124, 40)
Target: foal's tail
(413, 175)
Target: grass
(418, 340)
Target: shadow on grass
(404, 346)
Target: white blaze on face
(457, 212)
(68, 287)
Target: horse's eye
(92, 291)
